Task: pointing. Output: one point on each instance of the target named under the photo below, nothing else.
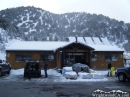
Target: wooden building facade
(63, 55)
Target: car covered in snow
(5, 67)
(31, 68)
(78, 67)
(123, 74)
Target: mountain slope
(30, 23)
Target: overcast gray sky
(117, 9)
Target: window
(114, 57)
(94, 57)
(22, 57)
(111, 57)
(8, 55)
(47, 57)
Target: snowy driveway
(53, 76)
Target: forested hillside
(30, 23)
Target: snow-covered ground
(53, 76)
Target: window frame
(95, 57)
(49, 57)
(24, 57)
(111, 58)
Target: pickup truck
(123, 74)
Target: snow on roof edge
(56, 46)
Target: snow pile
(97, 76)
(90, 75)
(17, 72)
(51, 72)
(127, 65)
(68, 73)
(66, 69)
(21, 72)
(84, 75)
(71, 75)
(54, 76)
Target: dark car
(5, 67)
(32, 68)
(123, 74)
(78, 67)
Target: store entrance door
(71, 58)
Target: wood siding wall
(35, 55)
(101, 63)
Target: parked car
(78, 67)
(123, 74)
(5, 67)
(32, 68)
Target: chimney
(76, 38)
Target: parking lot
(56, 85)
(53, 87)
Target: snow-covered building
(92, 51)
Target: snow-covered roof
(54, 45)
(39, 45)
(36, 45)
(105, 41)
(97, 41)
(81, 39)
(72, 39)
(101, 45)
(89, 40)
(105, 48)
